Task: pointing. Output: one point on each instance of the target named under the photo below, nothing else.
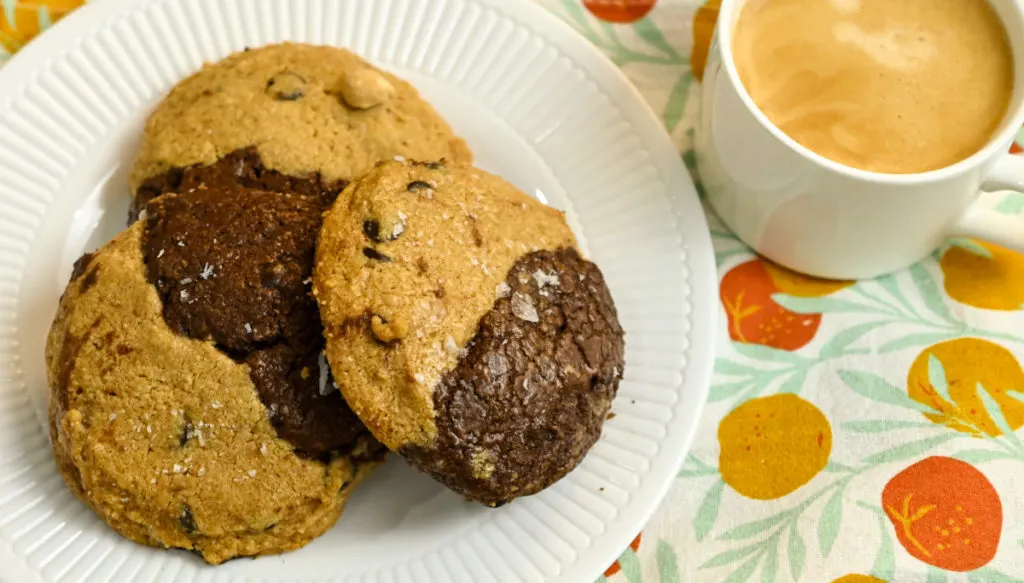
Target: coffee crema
(888, 86)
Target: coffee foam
(888, 86)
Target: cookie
(190, 404)
(285, 117)
(465, 329)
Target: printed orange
(621, 11)
(945, 512)
(858, 579)
(992, 283)
(703, 29)
(967, 363)
(754, 318)
(770, 446)
(29, 18)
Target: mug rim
(993, 147)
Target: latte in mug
(890, 86)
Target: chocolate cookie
(465, 329)
(190, 403)
(285, 117)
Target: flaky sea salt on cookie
(465, 329)
(186, 401)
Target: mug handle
(980, 221)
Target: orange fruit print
(945, 512)
(616, 567)
(746, 292)
(620, 11)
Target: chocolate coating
(233, 266)
(241, 168)
(529, 395)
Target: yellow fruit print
(21, 20)
(994, 282)
(967, 363)
(771, 446)
(797, 284)
(858, 579)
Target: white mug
(825, 219)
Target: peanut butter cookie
(190, 403)
(286, 117)
(465, 329)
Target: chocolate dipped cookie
(464, 327)
(190, 404)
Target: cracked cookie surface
(189, 404)
(464, 327)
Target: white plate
(537, 104)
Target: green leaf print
(908, 450)
(794, 384)
(839, 343)
(707, 513)
(1012, 204)
(742, 574)
(693, 467)
(770, 569)
(936, 575)
(767, 353)
(930, 293)
(980, 456)
(647, 30)
(884, 425)
(991, 576)
(728, 367)
(917, 339)
(9, 11)
(730, 556)
(995, 411)
(668, 567)
(878, 389)
(937, 378)
(630, 565)
(721, 392)
(971, 246)
(797, 551)
(819, 305)
(829, 522)
(754, 528)
(676, 104)
(885, 561)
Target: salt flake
(321, 361)
(522, 307)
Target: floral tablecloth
(856, 432)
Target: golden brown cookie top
(168, 434)
(306, 109)
(409, 260)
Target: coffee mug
(822, 218)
